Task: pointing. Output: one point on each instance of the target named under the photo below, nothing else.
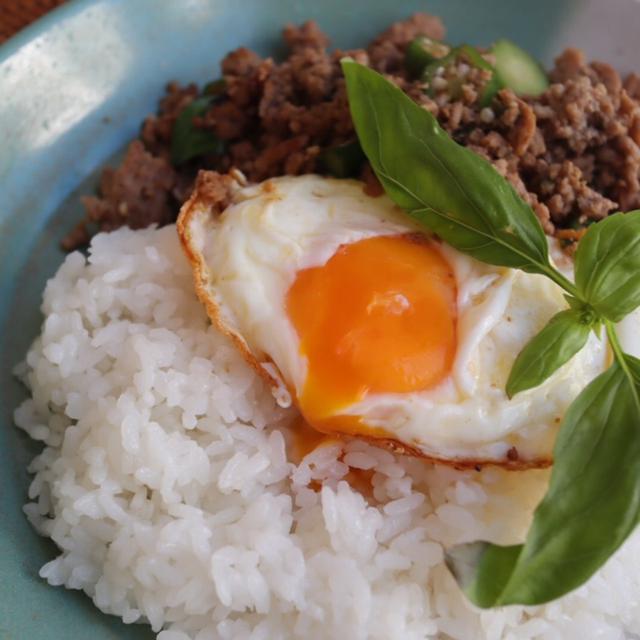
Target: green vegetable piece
(495, 83)
(473, 57)
(342, 161)
(607, 265)
(215, 87)
(431, 69)
(447, 188)
(421, 51)
(189, 141)
(518, 69)
(491, 89)
(592, 505)
(565, 334)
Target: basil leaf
(447, 188)
(607, 265)
(564, 335)
(592, 505)
(189, 141)
(482, 569)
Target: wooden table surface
(17, 14)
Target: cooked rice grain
(166, 485)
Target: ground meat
(215, 189)
(572, 153)
(308, 36)
(137, 193)
(157, 129)
(386, 52)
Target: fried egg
(374, 329)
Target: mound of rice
(169, 484)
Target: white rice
(167, 486)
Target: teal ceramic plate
(74, 88)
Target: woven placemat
(17, 14)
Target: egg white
(253, 251)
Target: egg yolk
(378, 317)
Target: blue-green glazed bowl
(74, 88)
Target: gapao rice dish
(171, 482)
(380, 379)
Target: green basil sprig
(593, 500)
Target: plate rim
(41, 24)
